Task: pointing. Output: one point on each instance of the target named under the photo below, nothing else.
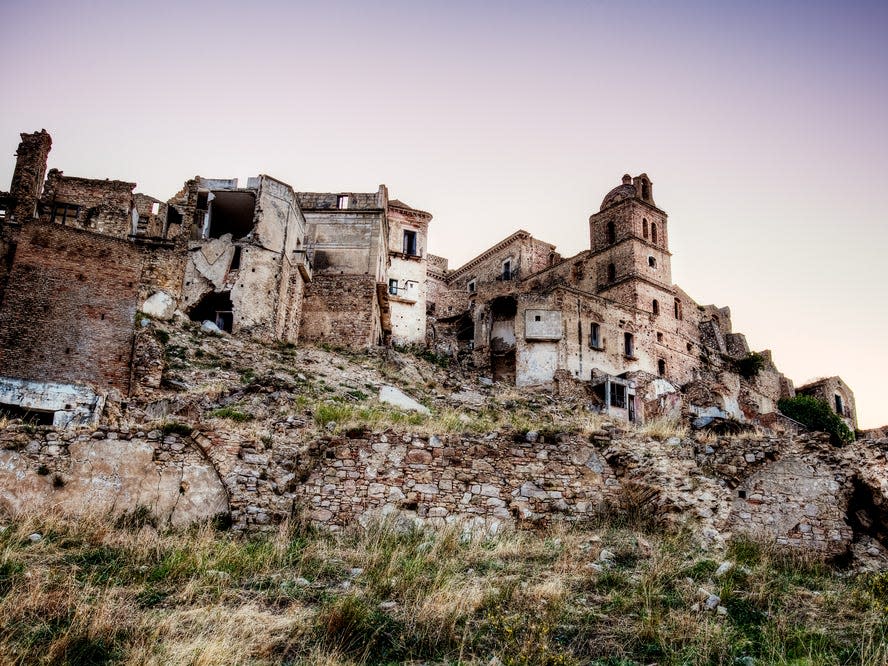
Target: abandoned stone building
(81, 257)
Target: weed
(231, 414)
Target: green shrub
(231, 414)
(750, 365)
(176, 428)
(817, 415)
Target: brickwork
(68, 310)
(27, 178)
(103, 206)
(341, 310)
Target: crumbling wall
(341, 310)
(69, 307)
(102, 206)
(27, 178)
(108, 472)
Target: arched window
(677, 307)
(611, 272)
(656, 306)
(661, 367)
(611, 233)
(644, 227)
(653, 232)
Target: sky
(762, 126)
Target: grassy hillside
(612, 593)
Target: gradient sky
(762, 125)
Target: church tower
(630, 247)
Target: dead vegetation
(95, 593)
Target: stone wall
(798, 492)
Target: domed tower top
(639, 187)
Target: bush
(750, 365)
(817, 415)
(231, 414)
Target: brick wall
(340, 310)
(68, 309)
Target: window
(471, 286)
(652, 262)
(653, 233)
(410, 243)
(655, 306)
(618, 396)
(155, 208)
(537, 318)
(595, 336)
(629, 345)
(689, 347)
(342, 202)
(63, 212)
(393, 287)
(2, 212)
(235, 259)
(611, 273)
(644, 227)
(611, 233)
(507, 269)
(677, 308)
(661, 367)
(839, 406)
(659, 337)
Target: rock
(35, 537)
(606, 556)
(485, 381)
(159, 305)
(394, 396)
(387, 605)
(723, 568)
(210, 328)
(721, 610)
(532, 436)
(712, 602)
(301, 582)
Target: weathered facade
(610, 317)
(83, 256)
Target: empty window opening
(611, 233)
(410, 243)
(32, 416)
(652, 262)
(215, 307)
(741, 493)
(235, 259)
(472, 286)
(689, 346)
(659, 337)
(231, 213)
(595, 335)
(393, 287)
(507, 269)
(503, 308)
(839, 405)
(644, 227)
(618, 396)
(655, 306)
(629, 345)
(537, 318)
(677, 309)
(155, 208)
(661, 367)
(64, 212)
(2, 212)
(611, 272)
(342, 202)
(653, 232)
(173, 216)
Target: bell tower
(630, 246)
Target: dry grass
(91, 593)
(664, 429)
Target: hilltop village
(84, 259)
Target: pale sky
(762, 125)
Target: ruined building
(81, 257)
